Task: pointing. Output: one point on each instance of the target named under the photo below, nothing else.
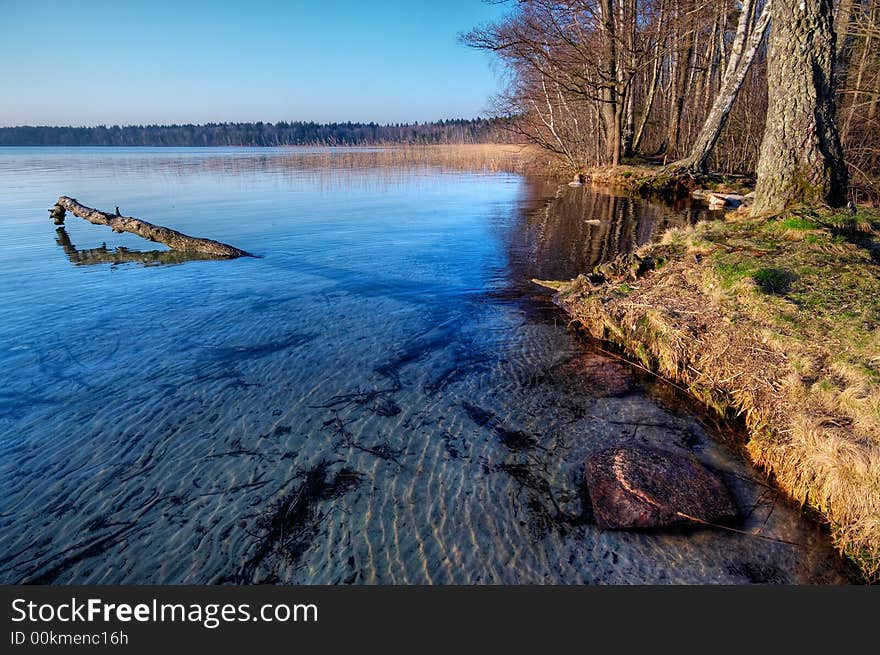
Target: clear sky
(89, 62)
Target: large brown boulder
(636, 487)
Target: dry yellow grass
(777, 320)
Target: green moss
(798, 223)
(642, 354)
(660, 182)
(862, 558)
(731, 272)
(872, 373)
(774, 280)
(806, 191)
(787, 317)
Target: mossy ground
(778, 320)
(648, 178)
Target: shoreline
(775, 320)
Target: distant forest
(455, 131)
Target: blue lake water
(381, 396)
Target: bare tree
(680, 63)
(858, 63)
(573, 65)
(597, 81)
(654, 45)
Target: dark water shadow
(287, 527)
(123, 255)
(561, 232)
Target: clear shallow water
(379, 398)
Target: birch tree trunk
(741, 56)
(629, 127)
(801, 159)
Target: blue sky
(88, 62)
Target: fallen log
(171, 238)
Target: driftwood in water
(171, 238)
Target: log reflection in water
(123, 255)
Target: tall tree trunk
(842, 20)
(626, 86)
(679, 90)
(629, 127)
(856, 87)
(711, 69)
(874, 27)
(649, 102)
(611, 112)
(652, 86)
(741, 57)
(801, 159)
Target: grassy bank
(777, 320)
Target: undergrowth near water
(649, 178)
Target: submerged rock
(637, 487)
(598, 376)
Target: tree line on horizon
(691, 83)
(260, 134)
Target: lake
(381, 396)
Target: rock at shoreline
(639, 488)
(718, 200)
(724, 200)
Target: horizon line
(258, 122)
